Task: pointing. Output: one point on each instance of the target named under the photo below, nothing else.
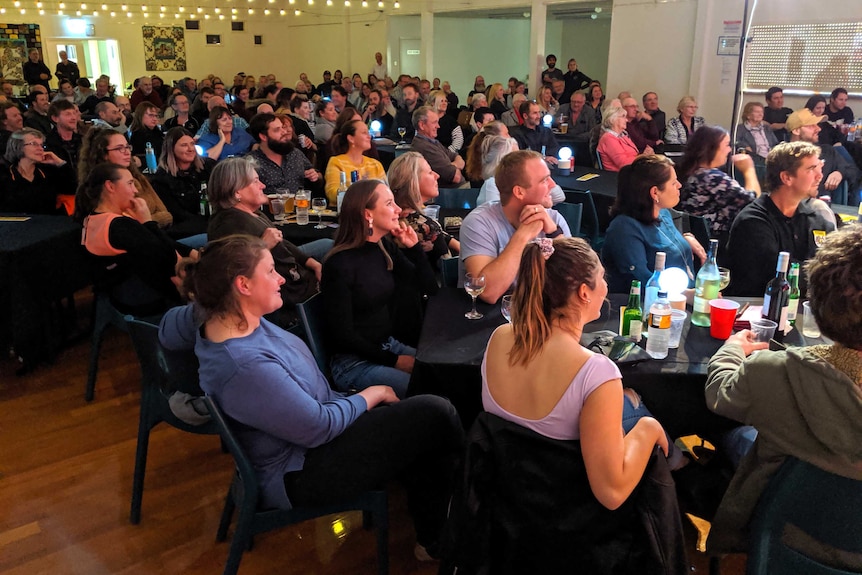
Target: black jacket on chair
(523, 504)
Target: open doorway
(94, 57)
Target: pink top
(616, 151)
(562, 422)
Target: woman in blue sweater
(642, 225)
(309, 444)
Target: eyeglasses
(126, 148)
(152, 115)
(39, 144)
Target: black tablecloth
(603, 188)
(451, 347)
(41, 261)
(298, 235)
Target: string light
(83, 6)
(266, 12)
(18, 4)
(128, 14)
(104, 6)
(329, 2)
(396, 5)
(206, 16)
(296, 12)
(200, 10)
(221, 16)
(380, 4)
(113, 14)
(364, 4)
(251, 10)
(23, 11)
(38, 4)
(233, 17)
(162, 8)
(282, 12)
(217, 10)
(182, 9)
(124, 8)
(143, 8)
(233, 10)
(41, 12)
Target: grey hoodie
(801, 405)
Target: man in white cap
(802, 126)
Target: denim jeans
(632, 414)
(317, 249)
(350, 371)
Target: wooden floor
(65, 485)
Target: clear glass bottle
(659, 327)
(706, 287)
(342, 189)
(633, 316)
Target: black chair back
(311, 315)
(572, 213)
(589, 216)
(457, 198)
(807, 521)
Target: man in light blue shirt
(493, 235)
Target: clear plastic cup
(677, 322)
(763, 329)
(809, 324)
(276, 206)
(432, 211)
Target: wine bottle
(633, 316)
(706, 287)
(776, 296)
(651, 288)
(793, 296)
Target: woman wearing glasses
(145, 128)
(30, 181)
(102, 145)
(135, 258)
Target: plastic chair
(104, 314)
(252, 520)
(457, 198)
(311, 315)
(589, 228)
(449, 271)
(699, 228)
(819, 507)
(572, 213)
(162, 372)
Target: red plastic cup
(722, 314)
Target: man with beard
(375, 110)
(404, 117)
(280, 164)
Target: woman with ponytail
(373, 291)
(135, 258)
(350, 144)
(309, 445)
(537, 375)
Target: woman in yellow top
(350, 143)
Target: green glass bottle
(633, 316)
(793, 297)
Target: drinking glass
(724, 274)
(402, 131)
(318, 205)
(276, 206)
(506, 307)
(474, 285)
(809, 324)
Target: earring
(370, 227)
(656, 200)
(589, 300)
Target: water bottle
(659, 327)
(342, 189)
(651, 288)
(851, 133)
(152, 165)
(301, 203)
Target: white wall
(587, 42)
(671, 48)
(286, 50)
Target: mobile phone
(741, 151)
(776, 345)
(622, 345)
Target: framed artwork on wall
(13, 54)
(164, 48)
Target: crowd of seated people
(380, 268)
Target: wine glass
(402, 131)
(506, 307)
(724, 274)
(474, 285)
(318, 205)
